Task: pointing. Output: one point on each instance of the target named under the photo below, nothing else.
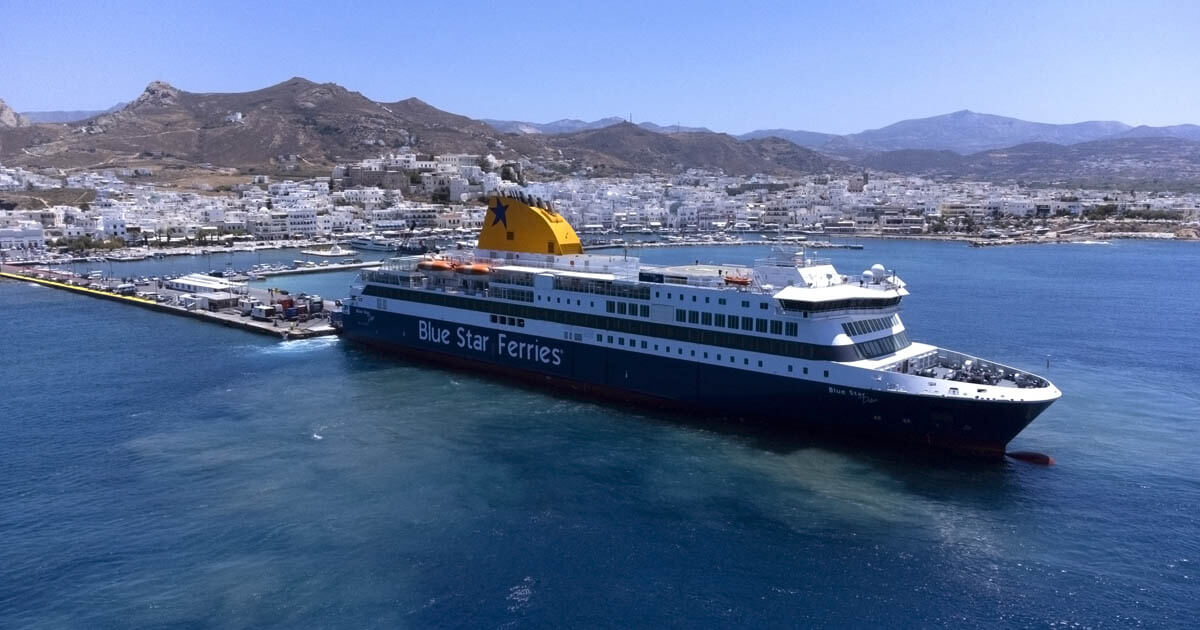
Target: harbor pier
(274, 313)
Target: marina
(269, 312)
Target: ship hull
(713, 391)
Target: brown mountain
(320, 123)
(325, 123)
(1101, 162)
(10, 118)
(628, 148)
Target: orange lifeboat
(741, 281)
(477, 269)
(435, 265)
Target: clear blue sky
(732, 66)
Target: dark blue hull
(716, 391)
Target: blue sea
(158, 471)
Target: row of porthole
(633, 343)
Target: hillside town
(441, 195)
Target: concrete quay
(282, 329)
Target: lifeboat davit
(741, 281)
(435, 265)
(477, 269)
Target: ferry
(788, 342)
(373, 244)
(384, 244)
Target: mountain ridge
(571, 125)
(302, 122)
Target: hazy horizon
(833, 68)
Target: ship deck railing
(954, 366)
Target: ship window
(763, 306)
(643, 344)
(667, 348)
(747, 323)
(632, 343)
(668, 296)
(620, 341)
(610, 339)
(745, 303)
(718, 357)
(705, 355)
(681, 296)
(776, 327)
(826, 373)
(721, 301)
(610, 306)
(599, 337)
(493, 319)
(645, 309)
(633, 308)
(720, 319)
(792, 329)
(760, 325)
(680, 315)
(656, 347)
(520, 323)
(746, 361)
(694, 354)
(509, 236)
(656, 294)
(760, 364)
(558, 299)
(693, 317)
(790, 368)
(706, 319)
(621, 308)
(732, 359)
(680, 350)
(806, 370)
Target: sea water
(158, 471)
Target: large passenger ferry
(788, 342)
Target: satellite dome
(867, 275)
(878, 270)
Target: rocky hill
(629, 148)
(10, 118)
(967, 132)
(319, 123)
(571, 125)
(809, 139)
(324, 123)
(1163, 160)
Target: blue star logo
(501, 212)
